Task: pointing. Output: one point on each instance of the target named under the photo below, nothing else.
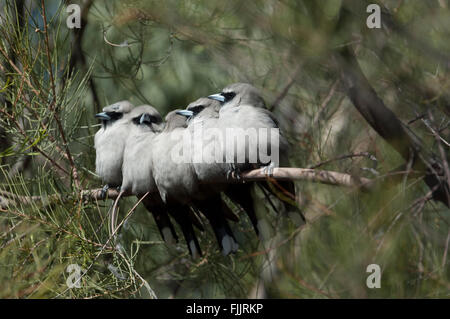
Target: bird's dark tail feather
(213, 211)
(181, 214)
(162, 220)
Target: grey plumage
(243, 107)
(175, 181)
(178, 183)
(146, 123)
(149, 165)
(136, 167)
(110, 141)
(205, 113)
(118, 121)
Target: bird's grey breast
(109, 146)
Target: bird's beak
(186, 113)
(218, 97)
(145, 118)
(103, 116)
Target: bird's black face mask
(145, 119)
(192, 112)
(223, 97)
(196, 109)
(228, 96)
(108, 117)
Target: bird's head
(177, 119)
(237, 94)
(114, 112)
(146, 117)
(202, 108)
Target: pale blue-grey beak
(145, 118)
(218, 97)
(103, 116)
(186, 113)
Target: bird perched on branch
(138, 178)
(109, 142)
(242, 107)
(203, 114)
(178, 183)
(160, 162)
(118, 120)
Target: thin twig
(324, 103)
(285, 91)
(279, 174)
(318, 176)
(442, 154)
(338, 158)
(74, 171)
(444, 257)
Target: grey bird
(205, 112)
(109, 142)
(118, 120)
(243, 107)
(175, 181)
(146, 123)
(178, 184)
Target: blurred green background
(169, 53)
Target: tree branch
(53, 107)
(310, 175)
(78, 54)
(279, 174)
(385, 122)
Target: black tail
(162, 220)
(213, 209)
(182, 216)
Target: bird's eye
(228, 95)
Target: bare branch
(286, 88)
(279, 174)
(362, 154)
(74, 171)
(386, 123)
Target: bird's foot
(104, 192)
(234, 172)
(268, 170)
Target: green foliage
(169, 53)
